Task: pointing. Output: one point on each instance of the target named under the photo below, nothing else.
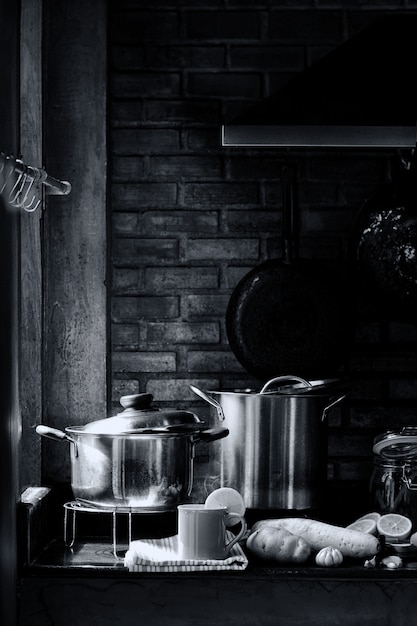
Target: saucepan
(140, 459)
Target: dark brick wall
(189, 218)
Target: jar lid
(397, 444)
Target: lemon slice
(365, 525)
(394, 526)
(227, 498)
(373, 515)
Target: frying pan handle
(281, 379)
(289, 215)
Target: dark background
(190, 218)
(145, 257)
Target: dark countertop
(87, 583)
(99, 545)
(73, 593)
(100, 557)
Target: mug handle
(241, 532)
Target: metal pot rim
(147, 433)
(318, 388)
(250, 393)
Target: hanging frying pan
(384, 246)
(290, 314)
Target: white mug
(202, 532)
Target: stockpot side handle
(53, 433)
(331, 405)
(281, 379)
(210, 400)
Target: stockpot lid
(139, 417)
(397, 444)
(291, 385)
(326, 386)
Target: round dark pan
(290, 315)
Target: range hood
(362, 94)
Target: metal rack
(22, 184)
(70, 522)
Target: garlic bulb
(329, 557)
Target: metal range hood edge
(319, 136)
(359, 95)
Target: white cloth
(161, 555)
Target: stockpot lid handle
(281, 379)
(397, 444)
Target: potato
(277, 544)
(351, 543)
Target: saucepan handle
(53, 433)
(211, 434)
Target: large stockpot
(140, 459)
(276, 452)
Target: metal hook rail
(20, 183)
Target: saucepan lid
(138, 415)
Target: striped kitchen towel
(161, 555)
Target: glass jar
(393, 484)
(390, 491)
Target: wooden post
(9, 405)
(75, 356)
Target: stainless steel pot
(140, 459)
(276, 451)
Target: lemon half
(365, 525)
(373, 515)
(394, 526)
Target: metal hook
(20, 203)
(21, 175)
(14, 199)
(11, 170)
(29, 209)
(19, 189)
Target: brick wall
(189, 218)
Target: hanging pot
(384, 246)
(140, 459)
(290, 313)
(276, 451)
